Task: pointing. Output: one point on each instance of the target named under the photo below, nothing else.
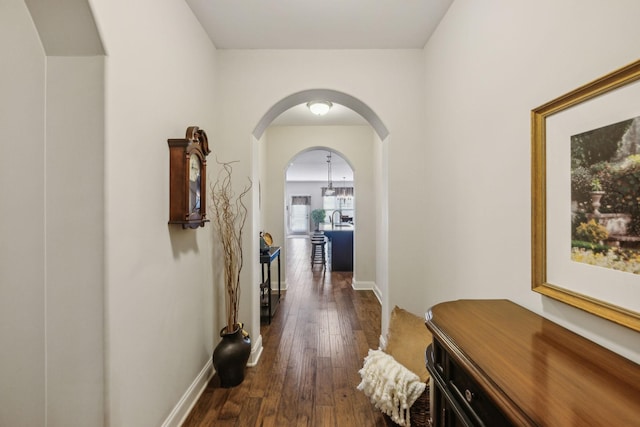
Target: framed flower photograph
(586, 197)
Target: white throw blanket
(391, 387)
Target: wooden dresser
(496, 364)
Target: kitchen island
(340, 245)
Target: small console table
(495, 364)
(268, 300)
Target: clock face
(194, 184)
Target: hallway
(308, 372)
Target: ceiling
(312, 166)
(313, 24)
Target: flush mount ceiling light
(319, 108)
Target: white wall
(22, 219)
(381, 184)
(56, 118)
(390, 82)
(354, 144)
(160, 301)
(74, 203)
(149, 283)
(488, 64)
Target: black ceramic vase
(230, 357)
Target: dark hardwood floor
(308, 372)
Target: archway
(324, 94)
(307, 177)
(380, 134)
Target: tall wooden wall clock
(188, 179)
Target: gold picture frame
(582, 97)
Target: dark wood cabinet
(494, 363)
(459, 400)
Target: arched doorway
(324, 94)
(307, 179)
(269, 172)
(322, 180)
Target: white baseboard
(184, 406)
(378, 293)
(274, 285)
(190, 397)
(383, 342)
(256, 352)
(367, 286)
(361, 285)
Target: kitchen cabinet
(340, 245)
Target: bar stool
(318, 244)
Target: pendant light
(344, 187)
(329, 191)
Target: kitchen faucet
(339, 217)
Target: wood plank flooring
(308, 372)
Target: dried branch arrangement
(230, 216)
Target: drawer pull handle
(468, 395)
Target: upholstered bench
(407, 340)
